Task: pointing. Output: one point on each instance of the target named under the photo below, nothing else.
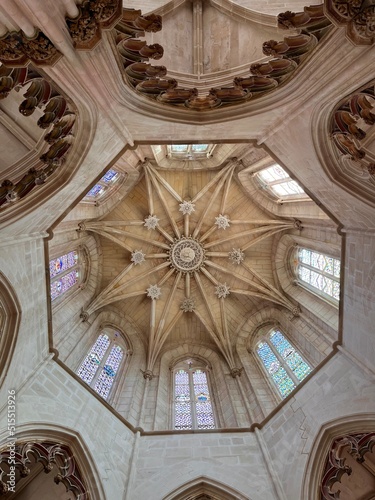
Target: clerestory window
(102, 186)
(64, 273)
(283, 364)
(319, 273)
(190, 151)
(192, 405)
(101, 365)
(277, 181)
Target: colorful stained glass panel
(109, 176)
(95, 191)
(61, 264)
(92, 361)
(107, 375)
(61, 285)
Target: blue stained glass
(279, 375)
(105, 380)
(109, 176)
(61, 285)
(280, 342)
(267, 356)
(61, 264)
(91, 363)
(95, 191)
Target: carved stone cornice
(50, 455)
(94, 15)
(264, 77)
(16, 49)
(57, 118)
(357, 15)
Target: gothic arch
(350, 424)
(10, 316)
(204, 488)
(302, 333)
(287, 279)
(220, 383)
(87, 482)
(348, 155)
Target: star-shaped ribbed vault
(188, 243)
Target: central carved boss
(186, 255)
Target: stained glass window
(319, 271)
(64, 273)
(282, 362)
(192, 401)
(276, 180)
(101, 364)
(103, 184)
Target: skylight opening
(190, 151)
(277, 181)
(97, 191)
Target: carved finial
(222, 221)
(222, 290)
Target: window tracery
(101, 365)
(319, 272)
(278, 183)
(103, 186)
(283, 363)
(64, 273)
(192, 404)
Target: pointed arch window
(319, 272)
(192, 404)
(101, 365)
(64, 273)
(283, 363)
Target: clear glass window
(282, 362)
(278, 182)
(319, 271)
(190, 151)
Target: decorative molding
(154, 292)
(17, 50)
(188, 305)
(50, 455)
(222, 290)
(357, 445)
(264, 77)
(236, 256)
(351, 129)
(58, 119)
(358, 16)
